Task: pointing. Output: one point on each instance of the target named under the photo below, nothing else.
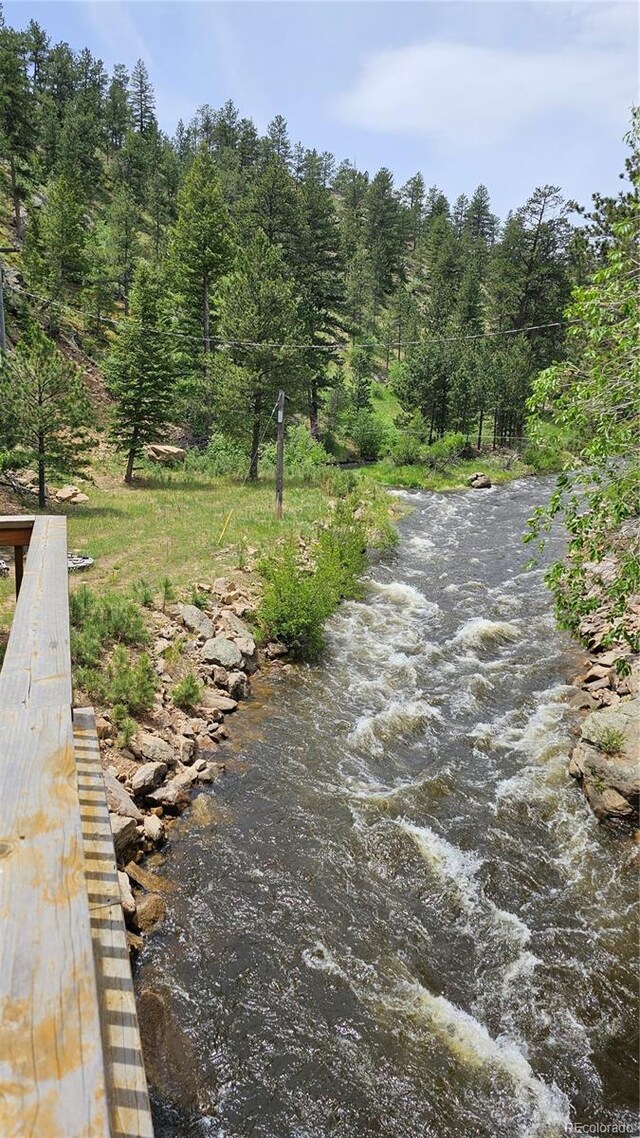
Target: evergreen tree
(277, 140)
(142, 99)
(383, 232)
(259, 314)
(45, 402)
(118, 117)
(16, 111)
(37, 48)
(139, 372)
(63, 235)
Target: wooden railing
(70, 1056)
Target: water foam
(472, 1045)
(399, 718)
(478, 632)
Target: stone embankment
(150, 781)
(606, 760)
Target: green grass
(422, 477)
(385, 404)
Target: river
(405, 921)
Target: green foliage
(445, 451)
(100, 620)
(168, 592)
(611, 741)
(45, 406)
(143, 593)
(223, 456)
(131, 683)
(595, 396)
(187, 693)
(297, 600)
(367, 432)
(200, 600)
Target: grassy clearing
(172, 525)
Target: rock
(218, 701)
(148, 777)
(155, 749)
(149, 881)
(160, 646)
(220, 676)
(186, 777)
(220, 586)
(219, 650)
(576, 765)
(238, 685)
(200, 765)
(153, 828)
(186, 750)
(172, 794)
(247, 645)
(234, 624)
(205, 810)
(166, 454)
(274, 650)
(79, 499)
(624, 720)
(212, 772)
(197, 621)
(66, 493)
(480, 481)
(615, 805)
(135, 943)
(118, 800)
(103, 727)
(126, 895)
(125, 835)
(150, 910)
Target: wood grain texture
(129, 1109)
(52, 1079)
(37, 667)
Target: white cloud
(466, 95)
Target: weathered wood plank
(127, 1095)
(52, 1079)
(37, 669)
(10, 523)
(10, 538)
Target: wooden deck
(70, 1056)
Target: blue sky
(512, 94)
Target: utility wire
(329, 346)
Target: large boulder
(214, 700)
(148, 777)
(154, 749)
(607, 760)
(118, 801)
(165, 454)
(197, 621)
(480, 481)
(125, 836)
(219, 650)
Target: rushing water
(406, 922)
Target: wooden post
(280, 456)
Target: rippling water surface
(407, 923)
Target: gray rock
(118, 800)
(150, 909)
(186, 750)
(624, 719)
(234, 624)
(148, 777)
(480, 481)
(219, 650)
(247, 645)
(127, 899)
(197, 621)
(125, 835)
(154, 749)
(172, 794)
(238, 685)
(153, 828)
(218, 701)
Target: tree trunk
(206, 316)
(42, 496)
(255, 445)
(313, 409)
(128, 476)
(480, 421)
(16, 199)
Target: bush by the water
(99, 621)
(298, 599)
(187, 693)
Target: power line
(329, 346)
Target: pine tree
(142, 99)
(63, 234)
(122, 241)
(16, 111)
(277, 140)
(259, 313)
(45, 402)
(383, 232)
(201, 248)
(117, 113)
(139, 371)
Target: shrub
(143, 593)
(197, 598)
(367, 432)
(293, 608)
(187, 693)
(340, 483)
(407, 451)
(544, 459)
(131, 684)
(444, 451)
(97, 622)
(223, 456)
(611, 741)
(168, 592)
